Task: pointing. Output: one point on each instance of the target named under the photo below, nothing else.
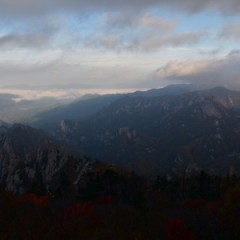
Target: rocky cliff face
(32, 161)
(169, 134)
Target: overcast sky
(70, 47)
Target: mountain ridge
(201, 126)
(87, 106)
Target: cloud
(34, 34)
(222, 71)
(230, 31)
(85, 72)
(159, 23)
(151, 32)
(64, 94)
(210, 52)
(24, 40)
(145, 41)
(185, 38)
(144, 31)
(29, 7)
(147, 21)
(108, 42)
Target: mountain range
(88, 105)
(166, 134)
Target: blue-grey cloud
(24, 40)
(230, 31)
(125, 19)
(145, 41)
(35, 34)
(221, 71)
(29, 7)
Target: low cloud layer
(212, 72)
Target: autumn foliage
(118, 206)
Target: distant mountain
(175, 134)
(14, 109)
(91, 104)
(170, 90)
(31, 161)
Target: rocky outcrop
(32, 161)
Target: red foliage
(194, 203)
(88, 209)
(213, 207)
(85, 209)
(33, 198)
(104, 200)
(176, 229)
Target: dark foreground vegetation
(112, 204)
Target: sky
(66, 48)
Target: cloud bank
(212, 72)
(29, 7)
(106, 44)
